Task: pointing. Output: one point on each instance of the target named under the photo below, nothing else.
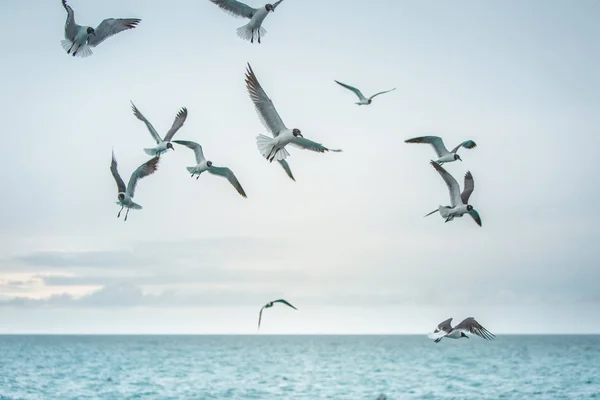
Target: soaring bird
(203, 165)
(469, 325)
(438, 145)
(161, 144)
(256, 16)
(269, 305)
(459, 201)
(274, 149)
(362, 100)
(125, 193)
(79, 39)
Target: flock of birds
(78, 42)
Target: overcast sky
(347, 242)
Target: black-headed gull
(202, 164)
(437, 143)
(79, 39)
(362, 100)
(162, 145)
(269, 305)
(256, 16)
(459, 201)
(125, 193)
(468, 325)
(274, 149)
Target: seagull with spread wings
(255, 15)
(162, 145)
(125, 193)
(80, 39)
(438, 145)
(202, 164)
(269, 305)
(274, 149)
(469, 325)
(459, 201)
(362, 100)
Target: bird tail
(151, 152)
(76, 50)
(248, 33)
(267, 149)
(191, 170)
(135, 206)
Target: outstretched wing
(310, 145)
(110, 27)
(469, 325)
(436, 142)
(453, 187)
(468, 144)
(147, 168)
(115, 173)
(468, 189)
(284, 302)
(276, 4)
(445, 325)
(139, 116)
(235, 8)
(70, 26)
(178, 123)
(377, 94)
(287, 169)
(264, 106)
(260, 316)
(357, 92)
(227, 173)
(473, 213)
(194, 146)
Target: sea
(298, 367)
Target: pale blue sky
(347, 243)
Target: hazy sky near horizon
(347, 242)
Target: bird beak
(300, 135)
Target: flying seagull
(203, 165)
(363, 101)
(79, 39)
(274, 149)
(469, 325)
(125, 193)
(459, 201)
(162, 144)
(269, 305)
(438, 145)
(256, 16)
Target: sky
(346, 243)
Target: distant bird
(256, 16)
(203, 165)
(469, 325)
(125, 193)
(363, 101)
(438, 145)
(162, 144)
(459, 201)
(269, 305)
(274, 149)
(78, 39)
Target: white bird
(438, 145)
(459, 201)
(363, 101)
(79, 39)
(204, 165)
(468, 325)
(125, 193)
(161, 144)
(269, 305)
(256, 16)
(274, 149)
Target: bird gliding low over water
(468, 325)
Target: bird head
(457, 157)
(209, 163)
(91, 31)
(269, 7)
(121, 196)
(369, 101)
(469, 207)
(297, 133)
(170, 146)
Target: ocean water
(298, 367)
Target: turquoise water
(298, 367)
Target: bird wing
(287, 169)
(445, 325)
(473, 213)
(276, 4)
(147, 168)
(469, 325)
(71, 27)
(377, 94)
(227, 173)
(178, 123)
(235, 8)
(110, 27)
(468, 144)
(453, 187)
(115, 173)
(260, 316)
(194, 146)
(310, 145)
(468, 189)
(435, 141)
(284, 302)
(139, 116)
(353, 89)
(264, 106)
